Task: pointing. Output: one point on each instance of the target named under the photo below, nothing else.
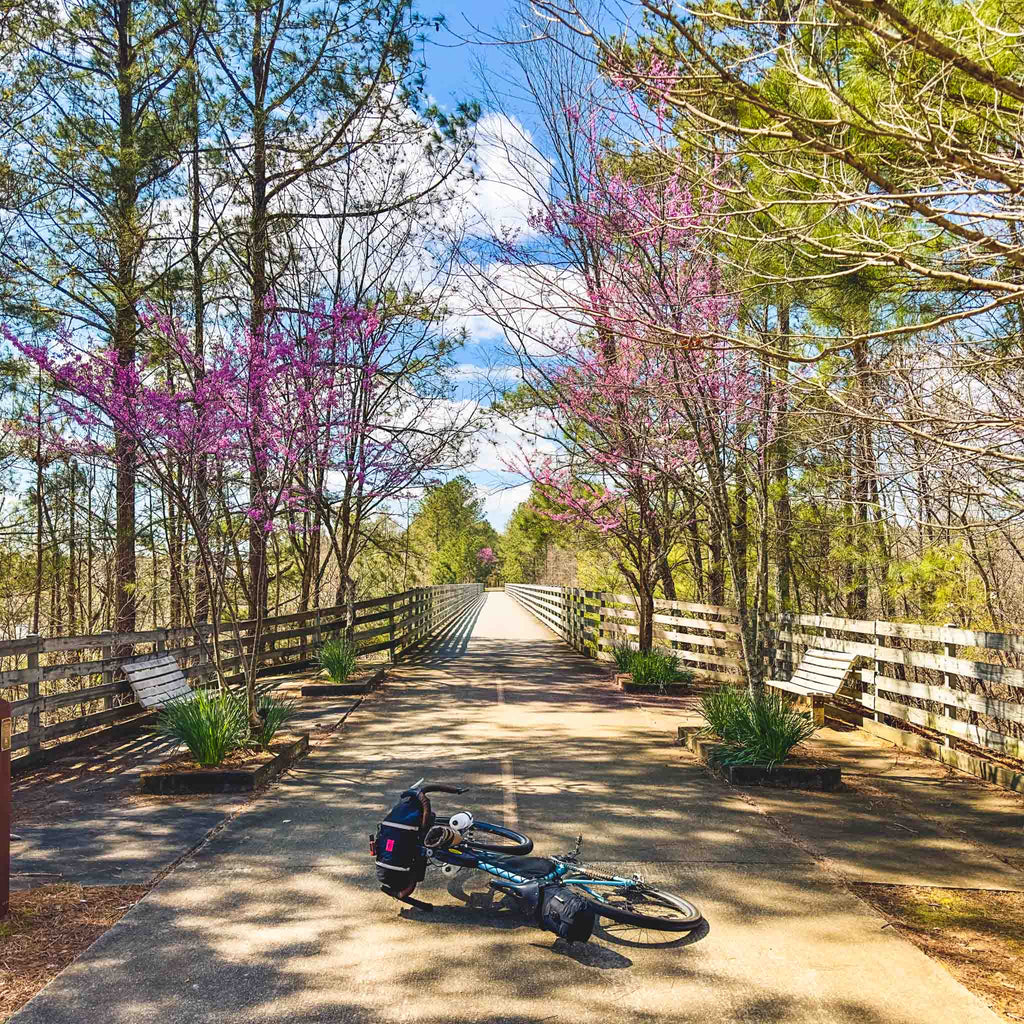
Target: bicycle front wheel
(496, 839)
(636, 903)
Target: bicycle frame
(561, 874)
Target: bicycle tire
(519, 845)
(689, 917)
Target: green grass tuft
(761, 730)
(338, 658)
(652, 669)
(273, 712)
(210, 723)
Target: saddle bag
(397, 845)
(555, 908)
(566, 913)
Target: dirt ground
(977, 935)
(47, 928)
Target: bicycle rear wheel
(637, 904)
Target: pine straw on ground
(50, 926)
(978, 936)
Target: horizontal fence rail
(961, 688)
(62, 687)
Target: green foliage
(721, 709)
(756, 730)
(210, 723)
(623, 655)
(654, 669)
(273, 712)
(448, 532)
(941, 583)
(338, 658)
(657, 669)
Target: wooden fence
(961, 690)
(958, 692)
(705, 637)
(62, 687)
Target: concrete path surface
(81, 819)
(278, 917)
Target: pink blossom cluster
(273, 406)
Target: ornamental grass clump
(210, 723)
(756, 730)
(273, 712)
(623, 655)
(650, 669)
(657, 669)
(338, 659)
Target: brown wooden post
(391, 629)
(6, 727)
(350, 612)
(35, 727)
(108, 675)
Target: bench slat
(817, 674)
(157, 680)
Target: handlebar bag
(397, 845)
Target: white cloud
(514, 178)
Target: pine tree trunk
(783, 511)
(124, 333)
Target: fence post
(879, 669)
(108, 675)
(204, 643)
(350, 612)
(947, 681)
(788, 624)
(391, 629)
(6, 727)
(34, 717)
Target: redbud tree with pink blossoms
(646, 393)
(243, 427)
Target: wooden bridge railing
(705, 637)
(953, 693)
(62, 687)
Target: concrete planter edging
(824, 778)
(225, 780)
(345, 689)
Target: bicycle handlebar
(440, 788)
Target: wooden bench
(157, 680)
(819, 675)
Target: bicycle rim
(641, 906)
(496, 839)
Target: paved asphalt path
(278, 917)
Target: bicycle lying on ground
(559, 893)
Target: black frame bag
(397, 847)
(566, 913)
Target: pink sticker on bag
(389, 845)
